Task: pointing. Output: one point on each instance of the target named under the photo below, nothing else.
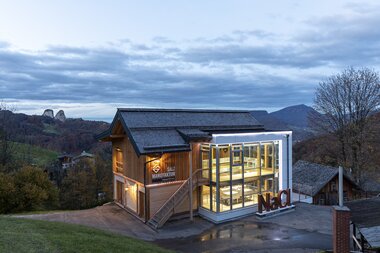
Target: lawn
(23, 235)
(33, 154)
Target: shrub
(7, 193)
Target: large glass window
(251, 190)
(239, 172)
(225, 197)
(267, 153)
(205, 157)
(205, 197)
(119, 160)
(251, 160)
(224, 163)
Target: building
(318, 184)
(365, 219)
(217, 160)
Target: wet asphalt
(246, 236)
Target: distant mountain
(296, 115)
(293, 118)
(269, 122)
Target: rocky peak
(48, 113)
(60, 116)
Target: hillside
(296, 115)
(293, 118)
(71, 136)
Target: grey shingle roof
(366, 216)
(146, 118)
(309, 178)
(170, 130)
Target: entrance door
(119, 192)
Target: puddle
(247, 236)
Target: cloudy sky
(89, 57)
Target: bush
(35, 191)
(28, 189)
(7, 193)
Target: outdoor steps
(167, 209)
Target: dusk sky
(90, 57)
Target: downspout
(287, 161)
(145, 196)
(191, 181)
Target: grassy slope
(22, 235)
(37, 155)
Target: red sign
(275, 202)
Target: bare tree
(345, 102)
(6, 147)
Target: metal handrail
(171, 199)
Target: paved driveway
(306, 229)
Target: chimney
(341, 222)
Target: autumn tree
(345, 102)
(79, 187)
(27, 189)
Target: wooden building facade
(180, 162)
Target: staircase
(167, 209)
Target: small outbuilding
(318, 184)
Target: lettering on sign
(275, 202)
(167, 176)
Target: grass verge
(23, 235)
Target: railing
(167, 209)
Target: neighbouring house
(64, 162)
(217, 160)
(365, 219)
(318, 184)
(68, 160)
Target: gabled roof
(171, 130)
(309, 178)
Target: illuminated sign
(275, 202)
(167, 176)
(156, 166)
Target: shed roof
(309, 178)
(366, 216)
(171, 130)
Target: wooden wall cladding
(179, 160)
(158, 195)
(132, 164)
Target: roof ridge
(196, 110)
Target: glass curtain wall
(237, 173)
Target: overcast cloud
(250, 69)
